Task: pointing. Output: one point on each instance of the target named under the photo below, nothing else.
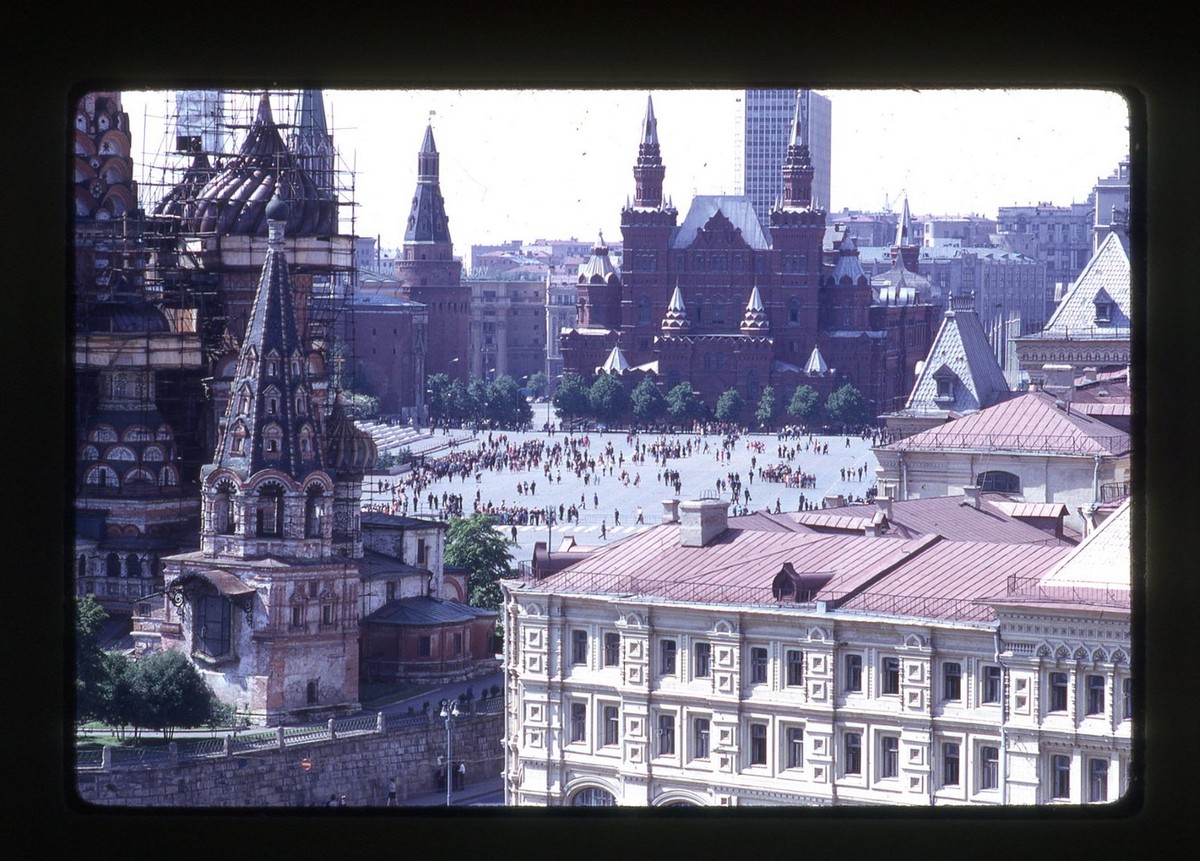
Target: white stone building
(752, 661)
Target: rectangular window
(1060, 776)
(853, 673)
(952, 680)
(1127, 697)
(758, 665)
(297, 616)
(758, 744)
(1097, 780)
(612, 649)
(666, 735)
(326, 614)
(989, 767)
(700, 738)
(889, 682)
(852, 745)
(667, 654)
(458, 644)
(889, 756)
(423, 646)
(212, 625)
(611, 725)
(421, 551)
(703, 660)
(795, 667)
(1095, 694)
(795, 747)
(579, 647)
(950, 763)
(578, 721)
(1058, 692)
(992, 687)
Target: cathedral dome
(234, 201)
(347, 448)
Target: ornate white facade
(618, 696)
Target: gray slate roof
(1107, 271)
(961, 348)
(426, 611)
(737, 208)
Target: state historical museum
(717, 302)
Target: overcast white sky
(554, 164)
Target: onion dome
(348, 449)
(197, 175)
(234, 201)
(754, 321)
(676, 321)
(277, 209)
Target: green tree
(439, 395)
(608, 398)
(729, 405)
(472, 543)
(648, 402)
(805, 405)
(171, 693)
(360, 406)
(458, 402)
(90, 671)
(505, 403)
(768, 407)
(476, 400)
(571, 398)
(537, 383)
(683, 404)
(847, 408)
(120, 706)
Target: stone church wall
(358, 767)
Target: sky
(557, 164)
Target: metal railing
(1071, 444)
(1029, 587)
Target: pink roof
(949, 579)
(1031, 423)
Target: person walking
(616, 517)
(603, 531)
(514, 534)
(640, 518)
(391, 796)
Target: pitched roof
(952, 517)
(737, 208)
(962, 349)
(1106, 273)
(1030, 422)
(425, 611)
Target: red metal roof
(1031, 423)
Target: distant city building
(200, 122)
(508, 327)
(762, 133)
(717, 302)
(939, 652)
(1111, 198)
(1060, 237)
(562, 293)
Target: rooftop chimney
(971, 492)
(670, 511)
(702, 520)
(1059, 381)
(884, 503)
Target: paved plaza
(598, 500)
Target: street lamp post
(449, 712)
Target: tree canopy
(571, 398)
(805, 405)
(648, 402)
(768, 407)
(683, 404)
(846, 407)
(472, 543)
(504, 402)
(90, 669)
(729, 406)
(537, 383)
(607, 398)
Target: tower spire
(797, 165)
(649, 171)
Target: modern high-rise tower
(763, 129)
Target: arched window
(593, 796)
(793, 310)
(698, 309)
(314, 512)
(133, 565)
(644, 310)
(222, 512)
(112, 565)
(81, 566)
(998, 482)
(752, 391)
(269, 513)
(213, 625)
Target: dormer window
(1103, 312)
(945, 388)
